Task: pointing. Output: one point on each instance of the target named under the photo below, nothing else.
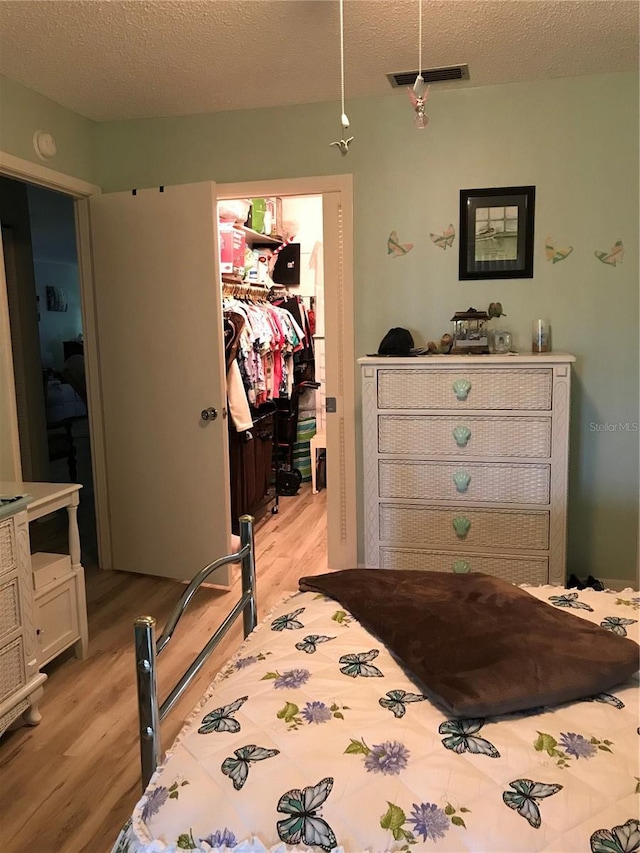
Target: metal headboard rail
(150, 713)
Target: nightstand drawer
(463, 527)
(9, 607)
(465, 436)
(515, 389)
(56, 617)
(12, 674)
(464, 481)
(7, 546)
(513, 569)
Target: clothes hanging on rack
(299, 311)
(266, 340)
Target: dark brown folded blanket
(479, 645)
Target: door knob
(209, 414)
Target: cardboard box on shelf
(257, 215)
(232, 246)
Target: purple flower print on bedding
(156, 799)
(388, 758)
(429, 821)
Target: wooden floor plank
(71, 782)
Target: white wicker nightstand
(20, 681)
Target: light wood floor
(70, 783)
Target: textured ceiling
(119, 59)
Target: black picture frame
(496, 233)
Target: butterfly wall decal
(221, 719)
(395, 247)
(310, 642)
(614, 256)
(445, 239)
(397, 701)
(237, 769)
(524, 798)
(553, 253)
(305, 824)
(620, 839)
(358, 664)
(288, 622)
(462, 737)
(569, 600)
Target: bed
(314, 737)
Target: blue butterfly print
(525, 798)
(287, 622)
(221, 719)
(355, 665)
(569, 600)
(616, 624)
(305, 823)
(397, 701)
(310, 642)
(462, 738)
(609, 698)
(237, 769)
(620, 839)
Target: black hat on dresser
(397, 341)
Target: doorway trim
(337, 196)
(42, 176)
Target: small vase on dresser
(465, 464)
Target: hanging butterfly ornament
(420, 92)
(418, 97)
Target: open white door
(158, 320)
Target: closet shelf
(256, 239)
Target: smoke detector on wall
(44, 144)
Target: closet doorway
(335, 348)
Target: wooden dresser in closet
(465, 464)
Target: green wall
(23, 111)
(575, 139)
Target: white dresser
(465, 464)
(20, 681)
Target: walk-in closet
(272, 280)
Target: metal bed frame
(147, 649)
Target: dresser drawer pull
(461, 567)
(461, 480)
(461, 525)
(462, 434)
(461, 388)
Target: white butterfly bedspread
(313, 738)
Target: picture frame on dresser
(496, 233)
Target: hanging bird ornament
(418, 97)
(343, 144)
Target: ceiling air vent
(431, 75)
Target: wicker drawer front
(7, 546)
(9, 607)
(399, 478)
(513, 569)
(12, 674)
(434, 526)
(526, 389)
(431, 435)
